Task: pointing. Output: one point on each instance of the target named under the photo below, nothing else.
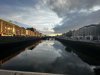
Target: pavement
(9, 72)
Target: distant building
(32, 29)
(36, 33)
(10, 29)
(91, 32)
(23, 31)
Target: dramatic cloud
(34, 13)
(49, 16)
(75, 13)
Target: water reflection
(49, 56)
(34, 45)
(6, 55)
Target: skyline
(49, 16)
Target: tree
(69, 34)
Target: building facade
(10, 29)
(91, 32)
(6, 28)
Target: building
(23, 31)
(34, 32)
(10, 29)
(16, 30)
(6, 28)
(90, 32)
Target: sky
(51, 16)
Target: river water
(49, 56)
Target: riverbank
(13, 39)
(16, 41)
(11, 45)
(88, 50)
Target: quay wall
(11, 45)
(89, 52)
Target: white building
(91, 32)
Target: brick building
(6, 28)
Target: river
(48, 56)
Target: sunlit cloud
(35, 14)
(51, 16)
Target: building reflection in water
(7, 57)
(87, 56)
(49, 56)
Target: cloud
(33, 13)
(55, 15)
(63, 7)
(79, 20)
(75, 13)
(17, 10)
(18, 3)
